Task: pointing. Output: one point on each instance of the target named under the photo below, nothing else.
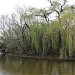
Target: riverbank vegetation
(32, 32)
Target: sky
(9, 6)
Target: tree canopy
(32, 32)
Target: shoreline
(41, 57)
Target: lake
(23, 66)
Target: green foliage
(29, 36)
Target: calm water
(22, 66)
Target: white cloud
(7, 6)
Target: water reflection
(22, 66)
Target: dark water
(22, 66)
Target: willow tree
(68, 29)
(65, 16)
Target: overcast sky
(8, 6)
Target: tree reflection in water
(23, 66)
